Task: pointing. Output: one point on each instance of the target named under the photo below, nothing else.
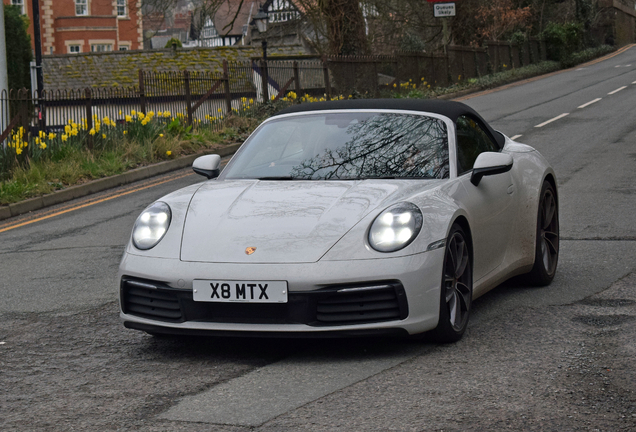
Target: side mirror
(207, 166)
(490, 163)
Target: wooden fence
(203, 97)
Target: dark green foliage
(586, 55)
(19, 53)
(412, 43)
(562, 40)
(174, 41)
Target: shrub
(18, 48)
(174, 41)
(562, 40)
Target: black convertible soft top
(450, 109)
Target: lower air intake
(360, 305)
(144, 300)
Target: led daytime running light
(395, 228)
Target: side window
(471, 141)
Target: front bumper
(318, 292)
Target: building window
(81, 7)
(74, 49)
(101, 47)
(123, 48)
(19, 3)
(121, 8)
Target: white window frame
(77, 42)
(81, 7)
(19, 3)
(122, 9)
(70, 49)
(101, 47)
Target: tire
(456, 289)
(546, 256)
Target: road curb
(105, 183)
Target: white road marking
(515, 137)
(617, 90)
(551, 120)
(634, 82)
(590, 102)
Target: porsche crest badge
(250, 250)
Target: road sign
(444, 10)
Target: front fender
(439, 210)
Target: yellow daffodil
(92, 131)
(51, 135)
(161, 135)
(43, 146)
(18, 150)
(128, 118)
(168, 152)
(104, 136)
(125, 132)
(133, 112)
(64, 137)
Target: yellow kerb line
(18, 225)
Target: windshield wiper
(276, 178)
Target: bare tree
(160, 10)
(339, 22)
(388, 145)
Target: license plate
(239, 291)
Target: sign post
(443, 10)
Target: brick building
(79, 26)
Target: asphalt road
(556, 358)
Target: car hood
(286, 221)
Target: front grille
(359, 305)
(328, 306)
(144, 299)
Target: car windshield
(345, 146)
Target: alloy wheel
(457, 277)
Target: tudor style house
(230, 24)
(80, 26)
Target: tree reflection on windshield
(346, 146)
(387, 145)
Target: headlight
(395, 228)
(151, 226)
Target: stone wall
(121, 68)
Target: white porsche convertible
(361, 217)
